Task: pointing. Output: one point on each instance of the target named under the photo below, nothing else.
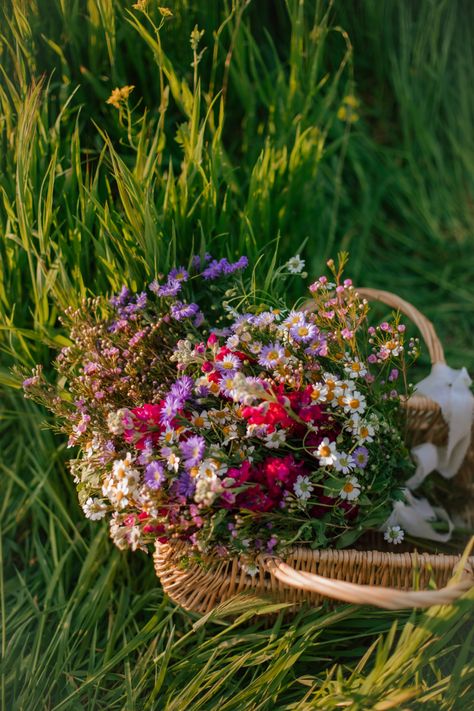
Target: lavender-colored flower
(241, 263)
(361, 457)
(183, 387)
(304, 332)
(217, 269)
(272, 355)
(121, 299)
(198, 319)
(178, 274)
(154, 475)
(214, 270)
(192, 450)
(171, 407)
(171, 288)
(179, 392)
(180, 310)
(184, 486)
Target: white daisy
(295, 265)
(394, 534)
(303, 487)
(365, 432)
(344, 462)
(354, 402)
(95, 509)
(351, 489)
(326, 452)
(355, 368)
(275, 439)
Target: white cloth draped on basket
(450, 388)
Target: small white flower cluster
(119, 421)
(208, 482)
(121, 483)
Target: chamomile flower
(355, 402)
(344, 463)
(250, 569)
(295, 265)
(365, 432)
(95, 509)
(303, 487)
(326, 452)
(200, 420)
(275, 439)
(319, 393)
(355, 368)
(394, 534)
(351, 489)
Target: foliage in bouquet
(234, 424)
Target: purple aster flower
(154, 475)
(192, 450)
(171, 288)
(304, 332)
(241, 263)
(170, 409)
(180, 310)
(361, 457)
(199, 319)
(214, 270)
(120, 299)
(217, 269)
(272, 355)
(178, 274)
(183, 387)
(184, 486)
(229, 364)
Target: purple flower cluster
(223, 267)
(179, 392)
(180, 310)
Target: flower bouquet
(236, 428)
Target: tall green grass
(236, 143)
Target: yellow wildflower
(141, 5)
(165, 12)
(119, 95)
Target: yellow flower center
(354, 403)
(273, 355)
(348, 487)
(324, 450)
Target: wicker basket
(362, 577)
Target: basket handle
(386, 598)
(426, 328)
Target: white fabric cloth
(415, 516)
(450, 389)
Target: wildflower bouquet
(236, 426)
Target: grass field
(306, 127)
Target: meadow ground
(301, 127)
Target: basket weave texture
(363, 577)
